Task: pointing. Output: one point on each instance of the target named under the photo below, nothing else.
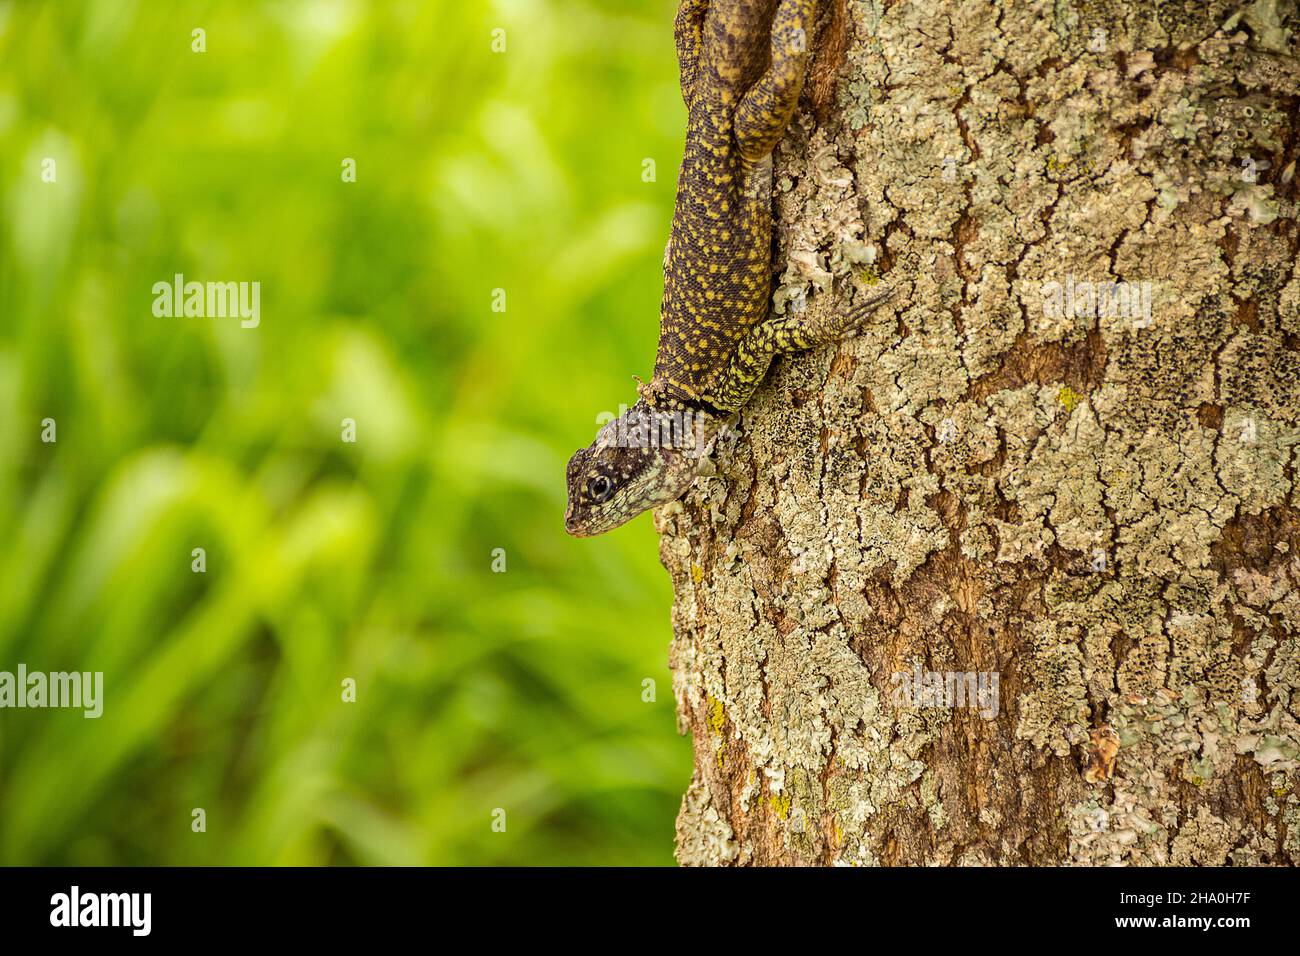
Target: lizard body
(743, 65)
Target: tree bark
(1004, 475)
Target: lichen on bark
(1097, 508)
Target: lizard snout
(570, 525)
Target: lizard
(742, 66)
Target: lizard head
(641, 459)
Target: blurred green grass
(325, 560)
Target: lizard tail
(828, 56)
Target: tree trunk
(1018, 472)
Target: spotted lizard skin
(743, 64)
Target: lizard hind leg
(765, 110)
(688, 31)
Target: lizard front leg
(781, 335)
(765, 110)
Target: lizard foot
(859, 314)
(793, 333)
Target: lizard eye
(600, 488)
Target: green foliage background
(476, 170)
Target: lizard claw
(859, 313)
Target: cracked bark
(1097, 508)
